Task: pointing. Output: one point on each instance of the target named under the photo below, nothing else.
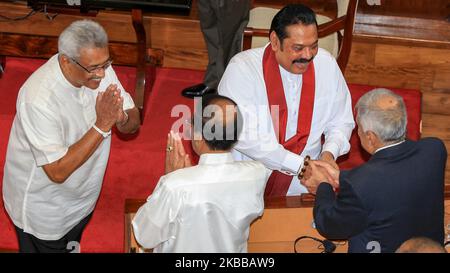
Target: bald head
(384, 113)
(421, 245)
(387, 102)
(219, 122)
(224, 110)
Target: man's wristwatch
(104, 134)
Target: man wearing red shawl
(291, 93)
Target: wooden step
(402, 30)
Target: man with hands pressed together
(60, 140)
(208, 207)
(397, 195)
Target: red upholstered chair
(412, 99)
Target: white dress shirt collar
(215, 158)
(388, 146)
(63, 80)
(205, 208)
(291, 77)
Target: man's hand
(328, 157)
(176, 157)
(122, 116)
(314, 178)
(321, 172)
(329, 173)
(107, 107)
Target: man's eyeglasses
(95, 69)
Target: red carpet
(136, 164)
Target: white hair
(388, 123)
(81, 34)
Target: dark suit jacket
(398, 194)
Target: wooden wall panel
(436, 125)
(409, 56)
(118, 26)
(363, 52)
(169, 33)
(436, 103)
(191, 59)
(442, 76)
(175, 33)
(423, 8)
(389, 76)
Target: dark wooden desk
(123, 53)
(284, 220)
(266, 233)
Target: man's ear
(274, 41)
(197, 136)
(199, 144)
(372, 138)
(64, 59)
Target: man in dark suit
(398, 194)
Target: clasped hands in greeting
(176, 156)
(319, 171)
(109, 108)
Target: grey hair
(389, 124)
(81, 34)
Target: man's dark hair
(221, 122)
(290, 15)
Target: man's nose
(307, 53)
(100, 73)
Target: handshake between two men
(324, 170)
(319, 171)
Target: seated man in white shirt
(208, 207)
(290, 93)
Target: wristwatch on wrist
(104, 134)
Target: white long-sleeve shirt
(204, 208)
(243, 81)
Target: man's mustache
(303, 60)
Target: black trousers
(222, 23)
(67, 244)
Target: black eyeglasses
(95, 69)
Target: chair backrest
(413, 103)
(335, 34)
